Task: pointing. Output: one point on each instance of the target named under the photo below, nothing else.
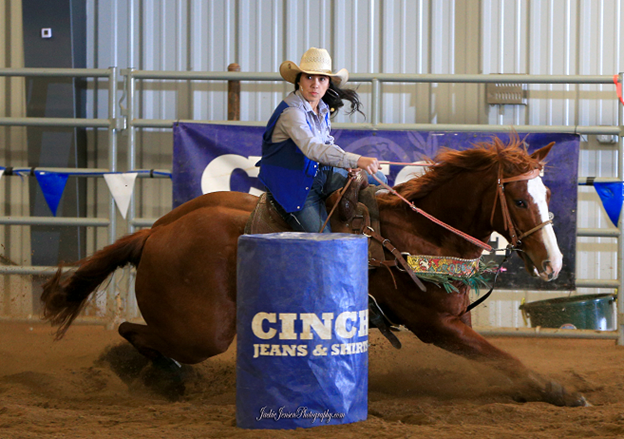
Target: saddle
(356, 212)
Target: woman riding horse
(186, 263)
(301, 166)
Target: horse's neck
(464, 204)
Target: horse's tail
(64, 297)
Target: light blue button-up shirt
(311, 132)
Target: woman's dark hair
(335, 95)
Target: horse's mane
(513, 157)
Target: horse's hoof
(124, 360)
(556, 394)
(165, 377)
(582, 402)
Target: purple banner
(209, 158)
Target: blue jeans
(313, 214)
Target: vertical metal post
(111, 291)
(133, 37)
(131, 142)
(112, 146)
(620, 253)
(375, 102)
(130, 303)
(131, 32)
(234, 94)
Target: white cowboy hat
(314, 62)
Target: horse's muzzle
(548, 273)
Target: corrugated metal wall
(393, 36)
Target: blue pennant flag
(52, 185)
(612, 196)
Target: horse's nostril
(547, 267)
(549, 272)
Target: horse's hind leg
(166, 375)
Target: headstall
(516, 240)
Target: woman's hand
(369, 164)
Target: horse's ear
(541, 153)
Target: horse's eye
(521, 204)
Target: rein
(342, 192)
(466, 236)
(429, 164)
(483, 298)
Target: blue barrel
(302, 322)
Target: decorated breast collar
(443, 265)
(447, 270)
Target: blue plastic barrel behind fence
(302, 348)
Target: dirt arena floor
(60, 390)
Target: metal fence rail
(111, 124)
(131, 121)
(135, 122)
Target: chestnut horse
(186, 263)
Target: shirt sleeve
(292, 124)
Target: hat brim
(289, 71)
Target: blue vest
(285, 171)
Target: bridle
(516, 241)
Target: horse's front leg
(454, 334)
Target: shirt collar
(323, 107)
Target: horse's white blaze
(537, 191)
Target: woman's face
(313, 88)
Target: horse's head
(497, 187)
(528, 226)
